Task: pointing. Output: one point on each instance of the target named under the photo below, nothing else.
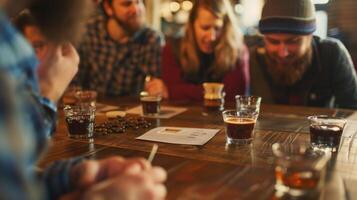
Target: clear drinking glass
(69, 97)
(213, 98)
(247, 102)
(80, 120)
(239, 126)
(326, 132)
(299, 170)
(150, 104)
(86, 97)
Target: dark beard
(61, 20)
(129, 30)
(288, 75)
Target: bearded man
(294, 67)
(118, 50)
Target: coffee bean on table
(120, 125)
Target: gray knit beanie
(288, 16)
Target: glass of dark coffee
(326, 132)
(80, 120)
(151, 104)
(239, 126)
(213, 98)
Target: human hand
(156, 86)
(90, 172)
(116, 177)
(57, 68)
(144, 185)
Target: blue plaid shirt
(26, 123)
(115, 69)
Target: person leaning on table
(293, 67)
(28, 110)
(119, 51)
(211, 50)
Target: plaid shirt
(115, 69)
(26, 123)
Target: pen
(153, 152)
(172, 129)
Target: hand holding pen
(155, 86)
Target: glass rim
(86, 94)
(294, 152)
(230, 110)
(326, 117)
(213, 83)
(224, 112)
(155, 97)
(77, 106)
(279, 149)
(254, 98)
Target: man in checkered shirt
(118, 50)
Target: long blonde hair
(229, 47)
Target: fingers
(156, 87)
(62, 50)
(129, 166)
(68, 50)
(158, 174)
(143, 163)
(114, 166)
(91, 172)
(148, 187)
(132, 167)
(158, 191)
(128, 186)
(85, 174)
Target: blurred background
(336, 18)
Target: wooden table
(215, 170)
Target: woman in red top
(212, 50)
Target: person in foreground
(28, 115)
(26, 23)
(296, 68)
(212, 50)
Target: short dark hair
(23, 20)
(61, 21)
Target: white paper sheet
(351, 126)
(166, 111)
(179, 135)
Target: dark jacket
(330, 81)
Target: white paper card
(350, 128)
(179, 135)
(166, 111)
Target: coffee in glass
(326, 132)
(80, 120)
(150, 104)
(213, 98)
(239, 126)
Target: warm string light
(320, 1)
